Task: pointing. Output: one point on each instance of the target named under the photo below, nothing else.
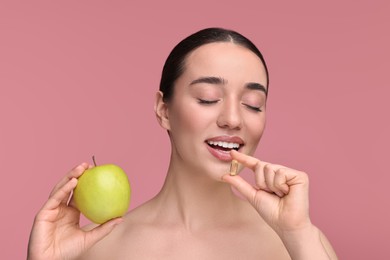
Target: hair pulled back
(174, 65)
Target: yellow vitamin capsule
(233, 168)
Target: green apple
(102, 193)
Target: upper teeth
(224, 144)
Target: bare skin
(162, 229)
(192, 220)
(166, 233)
(196, 215)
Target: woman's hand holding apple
(56, 233)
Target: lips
(221, 146)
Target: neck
(195, 200)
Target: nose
(230, 116)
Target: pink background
(77, 78)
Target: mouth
(221, 146)
(224, 146)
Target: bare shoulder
(125, 239)
(143, 235)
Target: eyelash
(210, 102)
(207, 102)
(256, 109)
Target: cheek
(187, 119)
(255, 129)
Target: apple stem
(93, 159)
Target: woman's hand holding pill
(280, 194)
(281, 197)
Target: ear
(161, 110)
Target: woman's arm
(309, 243)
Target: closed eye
(256, 109)
(207, 102)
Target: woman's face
(218, 105)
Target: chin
(218, 171)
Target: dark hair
(174, 65)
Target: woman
(212, 102)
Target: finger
(270, 175)
(247, 190)
(280, 181)
(255, 165)
(60, 195)
(252, 162)
(248, 161)
(74, 173)
(260, 180)
(99, 232)
(72, 203)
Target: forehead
(227, 60)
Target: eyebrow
(257, 86)
(209, 80)
(221, 81)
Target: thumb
(247, 190)
(95, 235)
